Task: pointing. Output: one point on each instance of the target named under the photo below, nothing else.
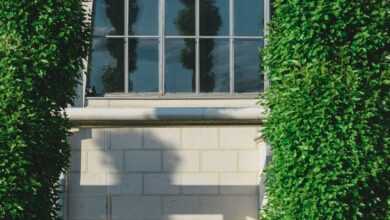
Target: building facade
(167, 126)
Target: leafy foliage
(328, 124)
(41, 45)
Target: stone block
(125, 184)
(78, 161)
(126, 138)
(181, 205)
(161, 184)
(200, 137)
(104, 161)
(87, 183)
(219, 161)
(249, 161)
(238, 137)
(143, 161)
(230, 207)
(181, 161)
(87, 208)
(136, 207)
(162, 138)
(199, 183)
(239, 183)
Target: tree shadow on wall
(131, 174)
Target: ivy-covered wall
(41, 46)
(328, 124)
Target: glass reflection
(214, 65)
(180, 65)
(143, 65)
(106, 66)
(247, 66)
(214, 17)
(108, 18)
(143, 17)
(180, 17)
(249, 17)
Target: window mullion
(126, 47)
(231, 45)
(197, 47)
(161, 79)
(267, 19)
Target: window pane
(180, 17)
(180, 65)
(106, 66)
(143, 17)
(214, 65)
(108, 17)
(143, 65)
(249, 17)
(247, 71)
(214, 17)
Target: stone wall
(209, 172)
(165, 173)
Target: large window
(176, 47)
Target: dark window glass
(180, 65)
(106, 66)
(214, 65)
(143, 65)
(180, 17)
(214, 17)
(107, 58)
(143, 17)
(247, 71)
(109, 17)
(249, 17)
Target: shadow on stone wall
(131, 174)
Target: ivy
(41, 46)
(328, 121)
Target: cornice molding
(164, 116)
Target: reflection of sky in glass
(102, 24)
(247, 70)
(219, 70)
(248, 17)
(221, 65)
(172, 9)
(144, 78)
(223, 13)
(101, 59)
(146, 22)
(177, 77)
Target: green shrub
(41, 45)
(328, 120)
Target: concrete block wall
(165, 173)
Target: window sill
(164, 116)
(174, 100)
(170, 96)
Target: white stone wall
(165, 173)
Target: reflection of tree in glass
(185, 24)
(133, 13)
(209, 13)
(132, 60)
(113, 77)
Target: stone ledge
(164, 116)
